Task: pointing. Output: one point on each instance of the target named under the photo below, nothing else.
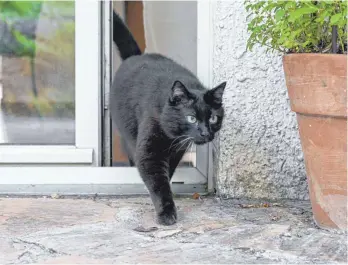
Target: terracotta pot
(317, 86)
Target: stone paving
(122, 230)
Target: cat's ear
(213, 97)
(179, 93)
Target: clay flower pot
(317, 86)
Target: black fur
(124, 39)
(159, 109)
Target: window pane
(37, 72)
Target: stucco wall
(258, 154)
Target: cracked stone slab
(86, 231)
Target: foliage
(10, 12)
(13, 11)
(20, 37)
(297, 26)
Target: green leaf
(247, 8)
(310, 4)
(280, 14)
(290, 4)
(20, 9)
(265, 39)
(27, 45)
(300, 12)
(335, 18)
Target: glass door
(49, 80)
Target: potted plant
(312, 35)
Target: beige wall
(171, 29)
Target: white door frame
(77, 169)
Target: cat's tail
(123, 38)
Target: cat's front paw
(168, 215)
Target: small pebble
(55, 196)
(217, 200)
(167, 233)
(145, 229)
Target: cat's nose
(204, 133)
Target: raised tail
(123, 38)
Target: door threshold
(93, 189)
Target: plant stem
(341, 42)
(334, 39)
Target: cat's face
(193, 113)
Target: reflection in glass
(37, 72)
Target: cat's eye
(191, 119)
(213, 119)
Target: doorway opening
(165, 27)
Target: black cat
(159, 109)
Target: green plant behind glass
(10, 13)
(19, 40)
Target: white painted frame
(205, 46)
(76, 169)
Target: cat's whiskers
(178, 142)
(185, 142)
(191, 153)
(174, 141)
(189, 147)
